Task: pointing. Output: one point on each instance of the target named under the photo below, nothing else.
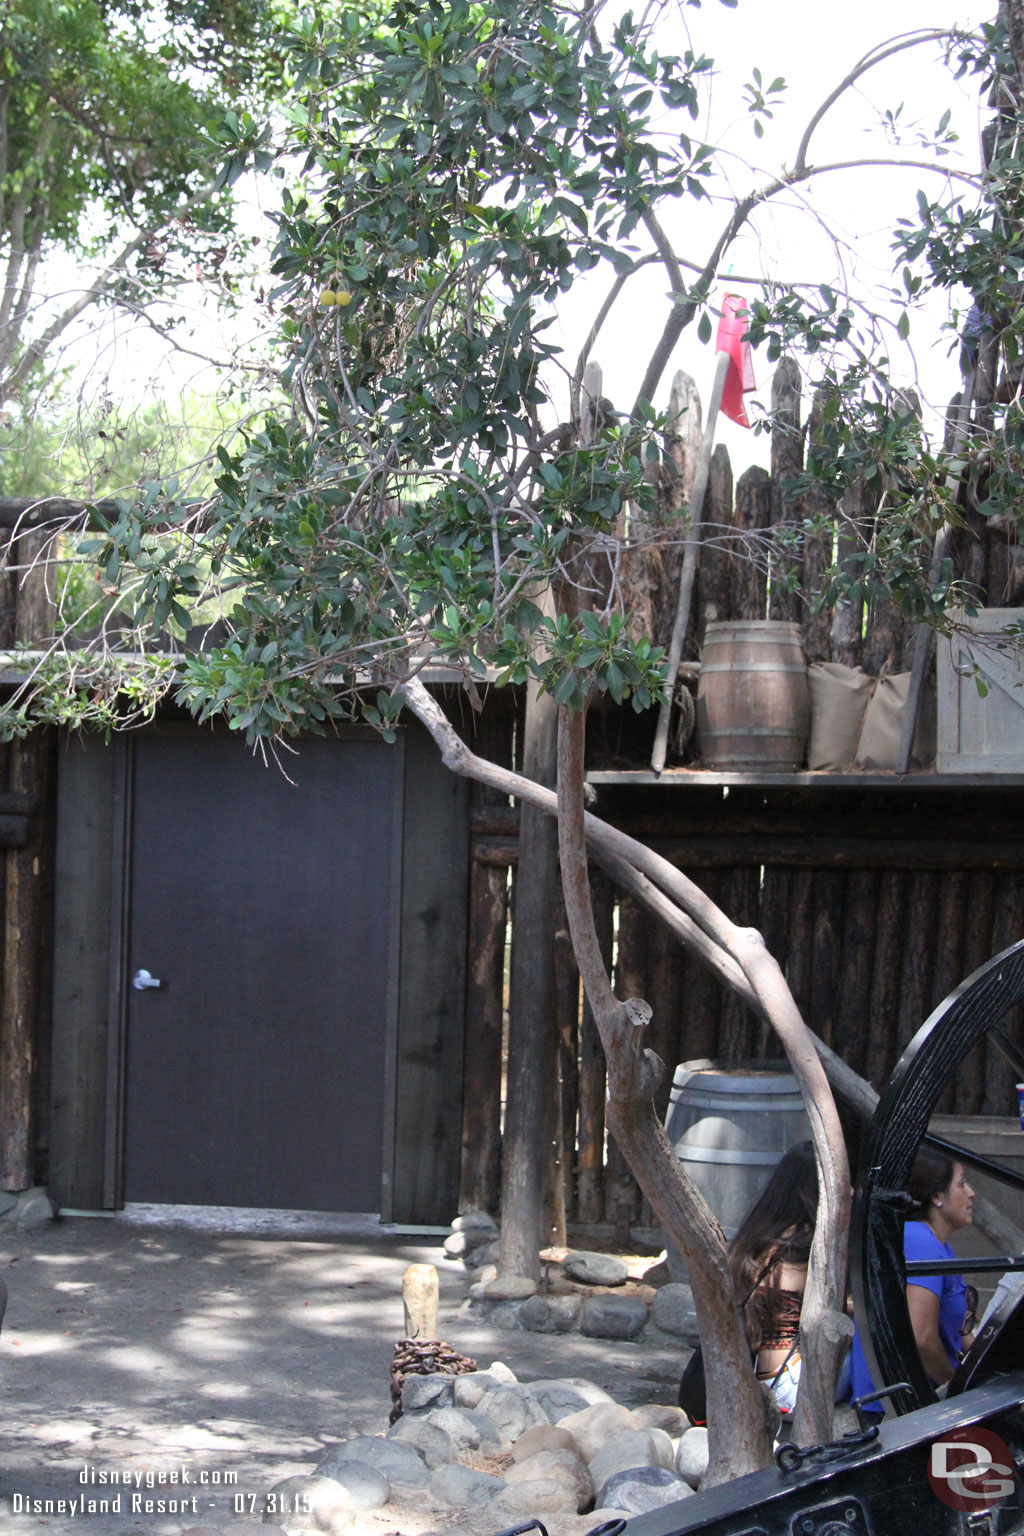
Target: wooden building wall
(876, 901)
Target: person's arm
(923, 1306)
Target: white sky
(801, 41)
(813, 47)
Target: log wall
(876, 901)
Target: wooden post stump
(419, 1297)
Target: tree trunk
(531, 1035)
(739, 1434)
(675, 1200)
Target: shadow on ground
(230, 1347)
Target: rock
(614, 1317)
(559, 1466)
(672, 1311)
(8, 1202)
(476, 1221)
(602, 1516)
(509, 1288)
(483, 1274)
(462, 1488)
(367, 1486)
(540, 1497)
(402, 1465)
(325, 1504)
(551, 1314)
(434, 1444)
(592, 1427)
(462, 1245)
(433, 1391)
(643, 1488)
(544, 1437)
(634, 1448)
(692, 1456)
(658, 1274)
(467, 1429)
(595, 1268)
(511, 1410)
(661, 1416)
(467, 1390)
(565, 1395)
(32, 1209)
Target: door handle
(142, 979)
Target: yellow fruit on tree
(342, 297)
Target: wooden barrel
(753, 697)
(729, 1125)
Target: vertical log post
(716, 560)
(532, 1052)
(817, 555)
(752, 515)
(787, 462)
(29, 771)
(480, 1183)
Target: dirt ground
(236, 1347)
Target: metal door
(266, 911)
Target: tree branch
(824, 1297)
(739, 1436)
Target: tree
(112, 126)
(465, 165)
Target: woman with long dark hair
(768, 1258)
(941, 1307)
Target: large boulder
(642, 1488)
(692, 1456)
(544, 1437)
(591, 1427)
(402, 1465)
(538, 1497)
(661, 1416)
(511, 1410)
(366, 1486)
(634, 1448)
(468, 1389)
(433, 1443)
(467, 1429)
(460, 1487)
(595, 1268)
(560, 1466)
(434, 1390)
(551, 1314)
(564, 1395)
(310, 1502)
(614, 1317)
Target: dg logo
(970, 1469)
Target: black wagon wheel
(900, 1123)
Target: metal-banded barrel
(753, 696)
(729, 1126)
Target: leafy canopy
(439, 464)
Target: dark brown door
(266, 910)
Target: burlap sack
(839, 699)
(879, 744)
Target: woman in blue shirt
(938, 1304)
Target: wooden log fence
(875, 907)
